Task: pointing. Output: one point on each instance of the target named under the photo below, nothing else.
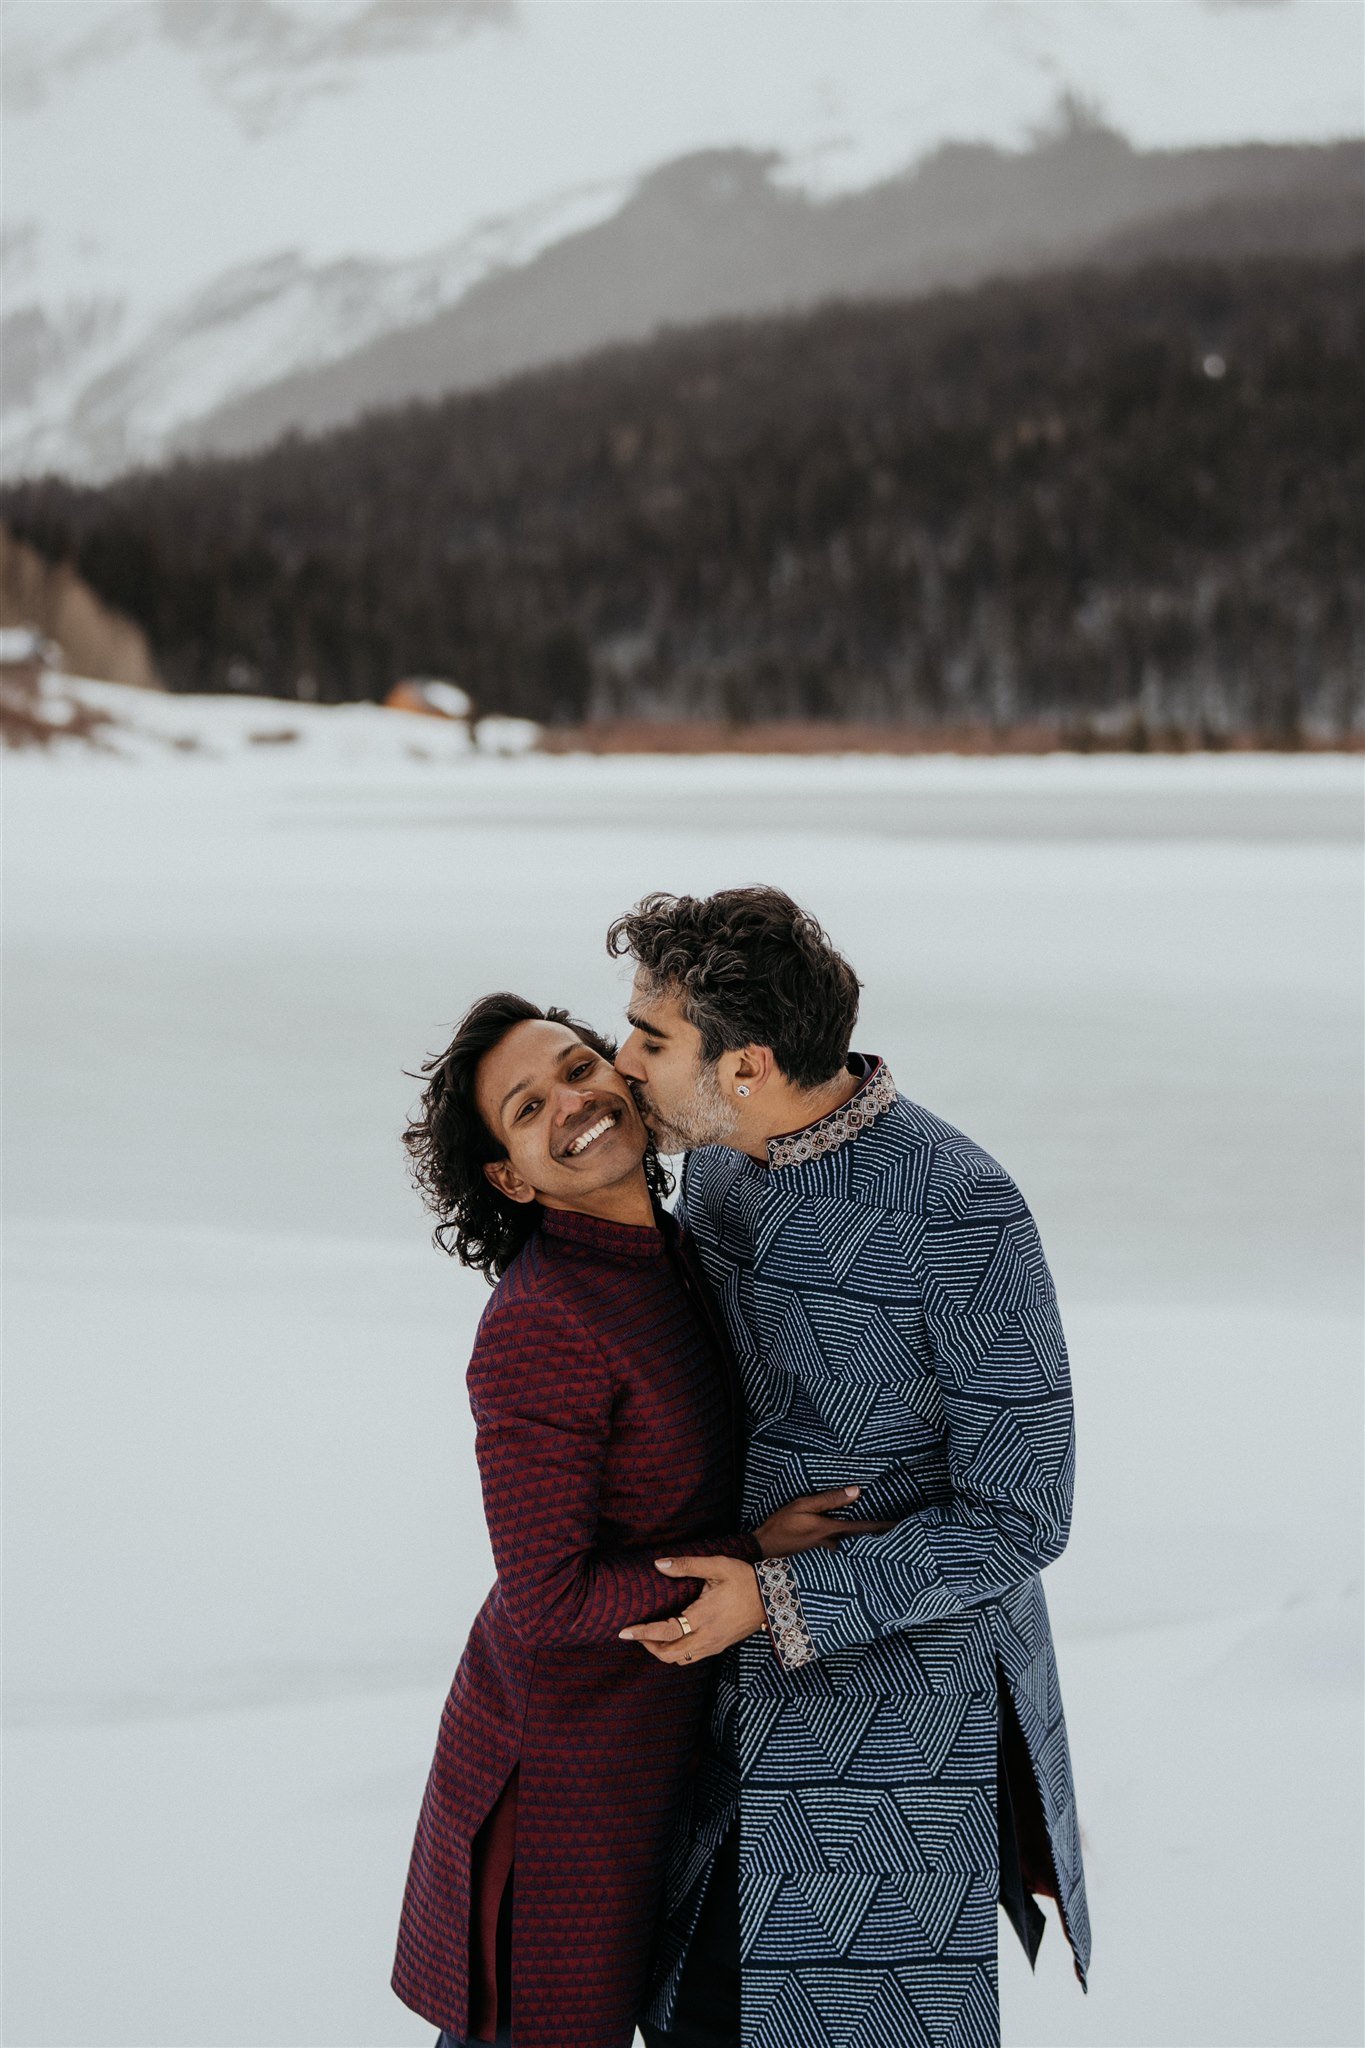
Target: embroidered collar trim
(876, 1095)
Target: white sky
(140, 167)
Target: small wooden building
(431, 697)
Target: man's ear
(749, 1069)
(501, 1174)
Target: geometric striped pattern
(894, 1324)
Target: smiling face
(565, 1118)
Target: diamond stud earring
(741, 1090)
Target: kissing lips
(649, 1116)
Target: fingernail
(853, 1491)
(627, 1635)
(665, 1564)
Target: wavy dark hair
(748, 967)
(449, 1144)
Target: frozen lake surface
(244, 1532)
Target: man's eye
(580, 1068)
(529, 1107)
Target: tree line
(1122, 504)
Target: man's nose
(628, 1061)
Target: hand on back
(810, 1522)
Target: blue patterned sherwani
(895, 1324)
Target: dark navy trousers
(707, 2012)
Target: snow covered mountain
(226, 217)
(716, 236)
(90, 390)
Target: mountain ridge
(712, 235)
(277, 346)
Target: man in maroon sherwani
(607, 1440)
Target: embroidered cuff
(786, 1622)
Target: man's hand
(730, 1609)
(809, 1523)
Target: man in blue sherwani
(890, 1760)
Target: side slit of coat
(1027, 1869)
(492, 1860)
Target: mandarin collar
(640, 1241)
(874, 1096)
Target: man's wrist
(791, 1639)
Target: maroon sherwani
(607, 1437)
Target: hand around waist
(731, 1606)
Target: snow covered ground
(245, 1538)
(82, 716)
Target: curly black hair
(449, 1143)
(748, 967)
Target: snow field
(244, 1532)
